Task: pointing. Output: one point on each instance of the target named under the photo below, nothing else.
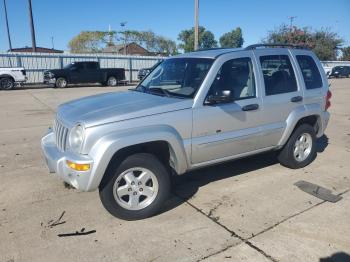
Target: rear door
(281, 93)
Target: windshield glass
(178, 77)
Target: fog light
(78, 167)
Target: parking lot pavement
(243, 210)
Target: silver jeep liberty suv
(191, 111)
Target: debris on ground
(317, 191)
(81, 233)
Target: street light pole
(31, 25)
(7, 26)
(196, 10)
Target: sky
(64, 19)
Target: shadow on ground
(187, 185)
(337, 257)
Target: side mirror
(221, 97)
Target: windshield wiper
(159, 90)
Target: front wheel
(300, 150)
(7, 83)
(112, 81)
(61, 82)
(137, 188)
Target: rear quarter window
(310, 72)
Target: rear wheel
(61, 82)
(300, 149)
(7, 83)
(112, 81)
(137, 188)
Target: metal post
(7, 26)
(18, 60)
(196, 10)
(32, 25)
(130, 69)
(60, 61)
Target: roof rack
(252, 47)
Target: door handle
(250, 107)
(296, 99)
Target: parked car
(11, 76)
(145, 71)
(84, 72)
(339, 71)
(193, 110)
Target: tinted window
(237, 76)
(278, 74)
(178, 76)
(311, 75)
(91, 66)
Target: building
(128, 49)
(38, 50)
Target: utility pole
(196, 13)
(291, 18)
(7, 26)
(123, 24)
(53, 46)
(31, 25)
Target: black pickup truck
(84, 72)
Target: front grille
(61, 135)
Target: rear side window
(311, 75)
(278, 74)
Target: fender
(105, 148)
(296, 115)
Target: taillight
(328, 99)
(24, 72)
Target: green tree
(150, 41)
(323, 42)
(346, 53)
(89, 41)
(206, 39)
(232, 39)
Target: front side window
(311, 75)
(236, 76)
(278, 74)
(178, 77)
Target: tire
(132, 203)
(112, 81)
(7, 83)
(296, 153)
(61, 82)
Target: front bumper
(49, 80)
(56, 162)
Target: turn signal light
(78, 167)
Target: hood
(55, 71)
(114, 107)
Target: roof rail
(252, 47)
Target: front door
(223, 130)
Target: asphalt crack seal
(317, 191)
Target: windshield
(68, 66)
(178, 77)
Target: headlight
(50, 75)
(76, 138)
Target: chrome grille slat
(61, 134)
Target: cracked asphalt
(245, 210)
